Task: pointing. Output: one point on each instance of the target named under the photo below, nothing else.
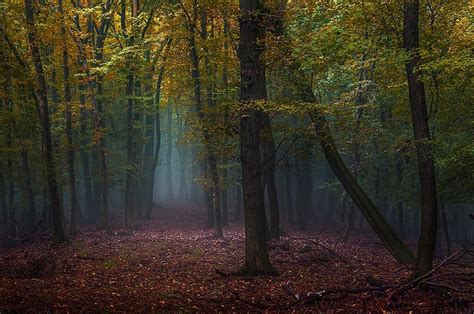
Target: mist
(236, 156)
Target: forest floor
(170, 262)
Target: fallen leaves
(170, 264)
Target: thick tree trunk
(252, 88)
(238, 202)
(41, 93)
(426, 170)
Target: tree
(210, 156)
(41, 94)
(252, 90)
(421, 130)
(70, 149)
(383, 230)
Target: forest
(236, 156)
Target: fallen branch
(423, 277)
(311, 297)
(253, 304)
(220, 272)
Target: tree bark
(70, 145)
(380, 226)
(157, 134)
(269, 158)
(195, 74)
(41, 93)
(86, 172)
(30, 196)
(426, 170)
(289, 200)
(169, 147)
(252, 89)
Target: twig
(420, 278)
(220, 272)
(253, 304)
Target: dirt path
(169, 263)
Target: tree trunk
(195, 74)
(289, 201)
(225, 209)
(101, 189)
(70, 145)
(90, 211)
(252, 88)
(269, 158)
(445, 228)
(130, 183)
(3, 197)
(400, 214)
(380, 226)
(304, 186)
(426, 170)
(238, 202)
(157, 135)
(349, 223)
(169, 148)
(41, 93)
(30, 196)
(182, 154)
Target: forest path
(170, 262)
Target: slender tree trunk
(289, 201)
(169, 148)
(416, 91)
(195, 74)
(445, 228)
(86, 172)
(252, 88)
(182, 153)
(41, 93)
(70, 145)
(194, 175)
(101, 189)
(269, 158)
(157, 135)
(3, 197)
(400, 214)
(30, 196)
(349, 223)
(304, 185)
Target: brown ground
(170, 263)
